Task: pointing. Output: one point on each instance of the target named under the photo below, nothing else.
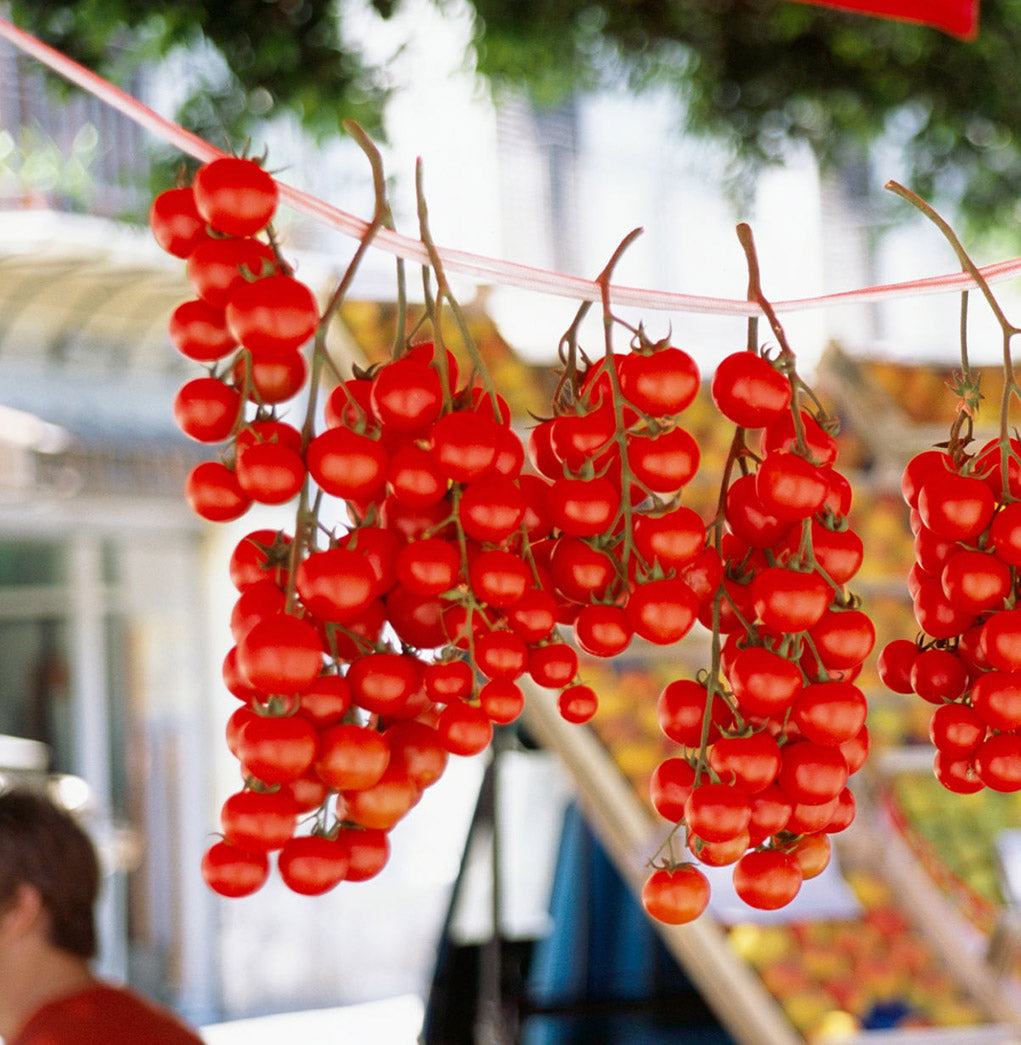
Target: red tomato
(272, 377)
(499, 578)
(216, 267)
(957, 774)
(659, 383)
(500, 654)
(790, 487)
(200, 332)
(767, 879)
(491, 509)
(748, 519)
(812, 853)
(577, 704)
(326, 701)
(271, 315)
(676, 896)
(789, 601)
(448, 680)
(663, 463)
(367, 851)
(540, 451)
(1001, 640)
(830, 712)
(429, 566)
(383, 682)
(956, 730)
(937, 615)
(464, 446)
(577, 438)
(464, 729)
(717, 812)
(672, 539)
(997, 762)
(584, 507)
(996, 698)
(1005, 534)
(346, 464)
(336, 584)
(206, 409)
(281, 654)
(750, 762)
(958, 507)
(663, 611)
(406, 395)
(669, 786)
(351, 756)
(176, 223)
(843, 638)
(976, 581)
(213, 493)
(929, 464)
(312, 864)
(553, 665)
(580, 571)
(415, 478)
(812, 773)
(383, 804)
(749, 391)
(533, 617)
(231, 871)
(235, 195)
(780, 436)
(258, 821)
(416, 749)
(277, 749)
(771, 812)
(270, 473)
(501, 700)
(602, 630)
(763, 682)
(937, 675)
(680, 710)
(718, 854)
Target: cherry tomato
(790, 487)
(213, 492)
(258, 821)
(407, 396)
(830, 712)
(584, 507)
(281, 654)
(663, 611)
(200, 332)
(235, 195)
(676, 896)
(997, 762)
(996, 698)
(216, 267)
(351, 756)
(176, 223)
(553, 665)
(270, 315)
(312, 864)
(346, 464)
(577, 704)
(749, 391)
(206, 409)
(231, 871)
(717, 812)
(957, 730)
(660, 383)
(767, 879)
(491, 508)
(602, 630)
(812, 773)
(663, 463)
(367, 850)
(750, 762)
(958, 507)
(464, 729)
(383, 804)
(669, 786)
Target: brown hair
(43, 845)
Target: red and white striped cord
(478, 267)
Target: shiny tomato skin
(748, 391)
(200, 332)
(275, 314)
(232, 871)
(676, 896)
(346, 464)
(660, 383)
(216, 267)
(235, 195)
(767, 879)
(312, 865)
(176, 223)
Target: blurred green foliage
(755, 74)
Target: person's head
(42, 846)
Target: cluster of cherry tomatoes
(621, 565)
(772, 732)
(966, 518)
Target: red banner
(957, 17)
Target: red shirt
(102, 1014)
